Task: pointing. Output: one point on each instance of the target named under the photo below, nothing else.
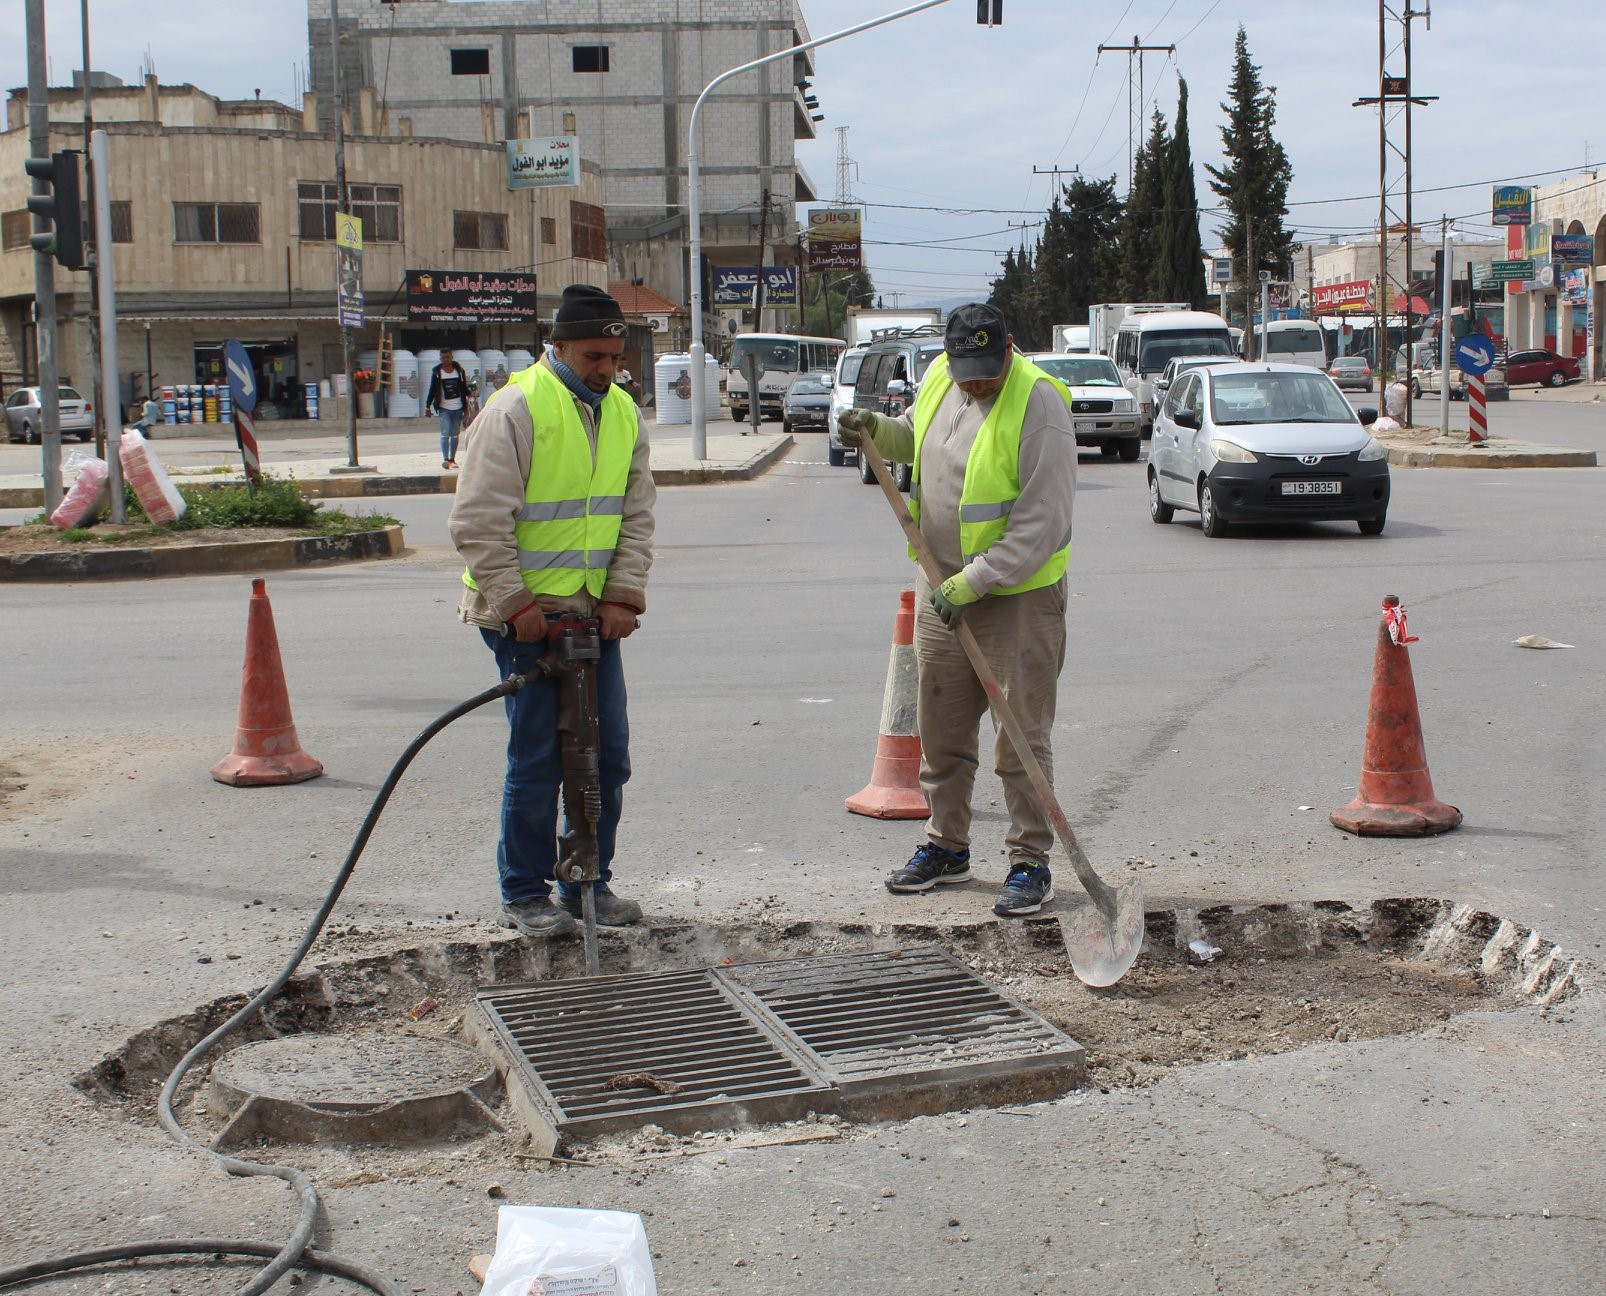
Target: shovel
(1103, 938)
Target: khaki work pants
(1022, 636)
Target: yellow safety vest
(573, 505)
(992, 473)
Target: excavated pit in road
(1285, 976)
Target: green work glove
(855, 425)
(952, 597)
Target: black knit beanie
(587, 312)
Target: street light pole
(699, 354)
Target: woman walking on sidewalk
(448, 396)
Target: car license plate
(1312, 488)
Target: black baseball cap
(977, 343)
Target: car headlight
(1230, 452)
(1123, 405)
(1371, 451)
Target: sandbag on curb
(88, 496)
(151, 485)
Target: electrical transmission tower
(844, 169)
(1134, 94)
(1395, 228)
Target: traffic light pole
(44, 267)
(106, 305)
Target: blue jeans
(528, 848)
(451, 428)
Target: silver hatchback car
(25, 418)
(1265, 443)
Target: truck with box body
(865, 323)
(1104, 321)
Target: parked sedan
(1265, 443)
(807, 403)
(25, 418)
(1540, 367)
(1351, 373)
(1425, 382)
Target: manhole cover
(874, 1036)
(309, 1086)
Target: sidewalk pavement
(402, 457)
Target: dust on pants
(1022, 636)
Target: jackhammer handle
(1094, 885)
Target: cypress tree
(1179, 267)
(1071, 269)
(1139, 230)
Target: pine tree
(1179, 266)
(1253, 183)
(1139, 230)
(1071, 269)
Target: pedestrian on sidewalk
(554, 513)
(994, 457)
(448, 397)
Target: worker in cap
(993, 482)
(554, 513)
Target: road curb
(698, 475)
(1466, 456)
(98, 562)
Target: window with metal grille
(590, 58)
(471, 62)
(378, 207)
(15, 228)
(588, 231)
(549, 230)
(485, 231)
(217, 223)
(122, 221)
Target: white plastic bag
(151, 485)
(89, 494)
(557, 1251)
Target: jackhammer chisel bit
(573, 648)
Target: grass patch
(277, 503)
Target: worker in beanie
(993, 451)
(554, 513)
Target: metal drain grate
(873, 1036)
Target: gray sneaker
(612, 910)
(538, 919)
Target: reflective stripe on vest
(992, 473)
(573, 507)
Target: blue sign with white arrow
(1474, 354)
(242, 378)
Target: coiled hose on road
(296, 1251)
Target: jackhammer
(574, 645)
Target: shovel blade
(1103, 946)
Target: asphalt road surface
(1211, 713)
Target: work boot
(1027, 889)
(931, 865)
(539, 919)
(612, 910)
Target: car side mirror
(1162, 384)
(1186, 418)
(897, 387)
(1367, 416)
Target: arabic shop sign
(1353, 295)
(737, 285)
(470, 297)
(1513, 205)
(833, 239)
(1573, 249)
(549, 162)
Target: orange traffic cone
(894, 790)
(266, 749)
(1395, 797)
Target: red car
(1540, 367)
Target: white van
(842, 381)
(1295, 342)
(1146, 342)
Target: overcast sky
(951, 125)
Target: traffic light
(62, 207)
(990, 13)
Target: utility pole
(343, 205)
(1249, 278)
(1134, 94)
(106, 427)
(44, 267)
(1393, 101)
(758, 288)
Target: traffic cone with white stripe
(894, 788)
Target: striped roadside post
(243, 388)
(1477, 411)
(245, 437)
